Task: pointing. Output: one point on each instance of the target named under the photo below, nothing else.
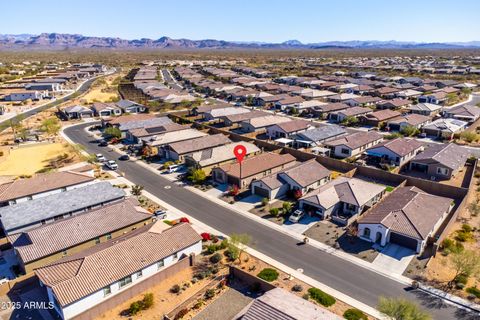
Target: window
(108, 236)
(139, 274)
(345, 151)
(442, 171)
(366, 232)
(97, 240)
(107, 291)
(125, 281)
(160, 264)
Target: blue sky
(249, 20)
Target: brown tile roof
(356, 140)
(200, 143)
(307, 173)
(409, 211)
(383, 115)
(291, 100)
(398, 102)
(234, 118)
(333, 107)
(258, 164)
(63, 234)
(294, 125)
(150, 131)
(412, 119)
(130, 117)
(80, 275)
(400, 146)
(41, 183)
(355, 111)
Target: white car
(100, 157)
(296, 216)
(112, 165)
(160, 214)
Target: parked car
(103, 144)
(160, 214)
(296, 216)
(422, 135)
(100, 157)
(174, 168)
(112, 165)
(124, 157)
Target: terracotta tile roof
(54, 237)
(91, 270)
(383, 115)
(409, 211)
(258, 164)
(294, 125)
(41, 183)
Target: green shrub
(212, 248)
(448, 246)
(274, 211)
(467, 228)
(135, 308)
(463, 236)
(268, 274)
(209, 294)
(321, 297)
(354, 314)
(461, 279)
(224, 244)
(216, 258)
(147, 301)
(475, 291)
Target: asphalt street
(344, 276)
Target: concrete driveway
(394, 258)
(303, 225)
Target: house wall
(374, 229)
(151, 275)
(29, 267)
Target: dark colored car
(103, 144)
(124, 157)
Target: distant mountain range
(60, 41)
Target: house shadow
(352, 244)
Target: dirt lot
(103, 90)
(27, 160)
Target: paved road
(83, 88)
(168, 77)
(357, 282)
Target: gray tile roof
(153, 122)
(320, 134)
(26, 213)
(307, 173)
(448, 154)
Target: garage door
(403, 241)
(261, 192)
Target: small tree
(113, 132)
(287, 207)
(469, 136)
(237, 245)
(401, 309)
(465, 262)
(51, 126)
(350, 121)
(409, 131)
(197, 176)
(137, 190)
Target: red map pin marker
(240, 152)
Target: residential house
(440, 161)
(30, 214)
(77, 112)
(380, 117)
(118, 269)
(252, 169)
(426, 109)
(145, 133)
(176, 151)
(281, 304)
(323, 110)
(342, 97)
(157, 144)
(468, 113)
(41, 185)
(207, 159)
(102, 110)
(408, 217)
(395, 104)
(444, 128)
(434, 98)
(204, 108)
(342, 198)
(363, 101)
(233, 119)
(47, 243)
(305, 106)
(303, 177)
(136, 121)
(269, 101)
(289, 128)
(128, 106)
(261, 123)
(317, 136)
(287, 102)
(395, 152)
(339, 116)
(354, 144)
(215, 114)
(22, 96)
(408, 120)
